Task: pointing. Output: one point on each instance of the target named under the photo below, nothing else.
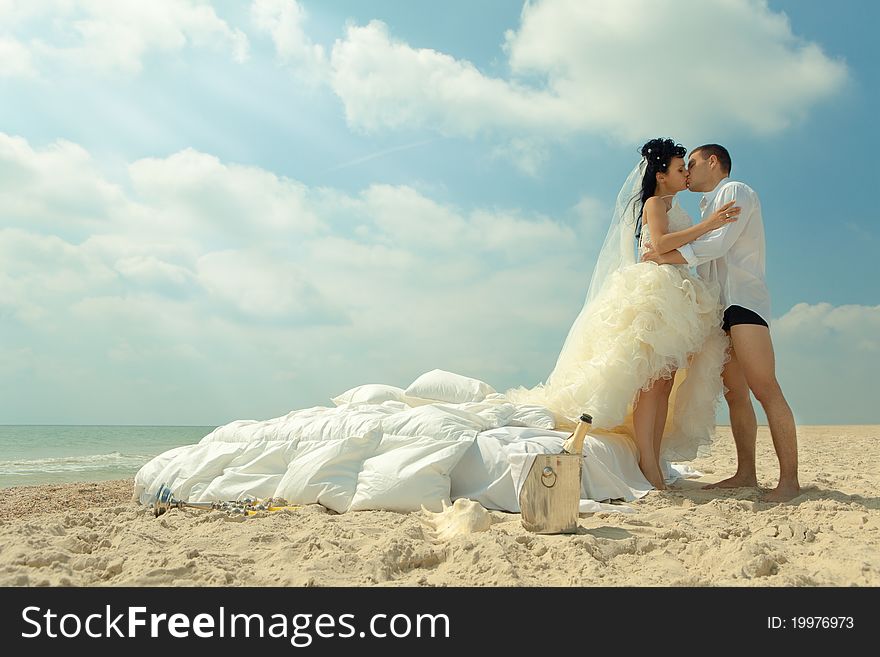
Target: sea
(54, 454)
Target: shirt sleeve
(716, 243)
(688, 254)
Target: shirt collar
(708, 197)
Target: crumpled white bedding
(389, 456)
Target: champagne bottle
(574, 444)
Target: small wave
(81, 463)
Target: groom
(734, 256)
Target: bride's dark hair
(658, 153)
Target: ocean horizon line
(92, 424)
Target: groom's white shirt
(734, 254)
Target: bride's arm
(658, 225)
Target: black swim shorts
(738, 315)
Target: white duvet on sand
(388, 455)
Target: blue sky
(217, 211)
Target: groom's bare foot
(783, 492)
(736, 481)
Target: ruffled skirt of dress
(648, 321)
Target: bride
(648, 336)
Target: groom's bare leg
(754, 351)
(743, 424)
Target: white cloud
(323, 290)
(729, 61)
(15, 59)
(857, 325)
(283, 20)
(152, 271)
(630, 69)
(196, 192)
(528, 155)
(61, 180)
(43, 272)
(388, 84)
(110, 36)
(827, 359)
(593, 213)
(264, 289)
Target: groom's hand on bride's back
(673, 257)
(650, 255)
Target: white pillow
(449, 387)
(370, 393)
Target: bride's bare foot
(736, 481)
(783, 492)
(652, 474)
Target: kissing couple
(657, 343)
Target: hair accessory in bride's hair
(658, 153)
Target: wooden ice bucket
(551, 493)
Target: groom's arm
(716, 243)
(673, 257)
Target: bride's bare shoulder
(655, 204)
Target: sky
(213, 211)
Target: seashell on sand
(463, 517)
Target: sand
(94, 535)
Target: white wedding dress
(646, 321)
